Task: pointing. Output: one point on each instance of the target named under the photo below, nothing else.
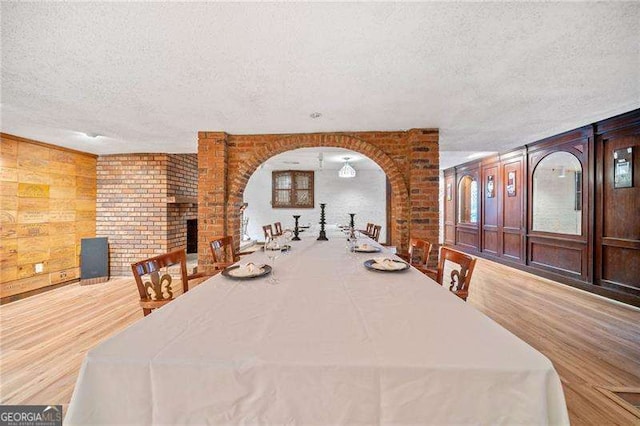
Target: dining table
(331, 342)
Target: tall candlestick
(323, 234)
(296, 230)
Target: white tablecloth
(333, 343)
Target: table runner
(332, 343)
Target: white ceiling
(332, 159)
(148, 76)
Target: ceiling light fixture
(93, 135)
(347, 171)
(315, 115)
(562, 172)
(320, 160)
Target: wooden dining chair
(278, 229)
(368, 230)
(223, 252)
(155, 279)
(375, 234)
(460, 278)
(418, 255)
(268, 231)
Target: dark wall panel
(490, 240)
(468, 237)
(512, 205)
(565, 259)
(512, 245)
(605, 256)
(449, 207)
(621, 266)
(618, 209)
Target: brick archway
(226, 162)
(399, 191)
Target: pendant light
(347, 171)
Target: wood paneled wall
(617, 242)
(48, 204)
(605, 258)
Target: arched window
(468, 200)
(557, 194)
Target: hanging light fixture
(347, 171)
(562, 172)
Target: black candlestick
(323, 234)
(352, 223)
(296, 230)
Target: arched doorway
(307, 177)
(226, 162)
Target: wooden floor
(593, 343)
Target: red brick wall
(182, 180)
(132, 209)
(410, 160)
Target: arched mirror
(468, 200)
(557, 194)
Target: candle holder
(352, 223)
(296, 230)
(323, 234)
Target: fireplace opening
(192, 236)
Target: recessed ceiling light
(93, 135)
(315, 115)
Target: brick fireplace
(409, 159)
(143, 204)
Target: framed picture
(511, 184)
(449, 195)
(491, 189)
(623, 168)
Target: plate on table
(234, 273)
(372, 265)
(368, 249)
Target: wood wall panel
(467, 237)
(606, 256)
(467, 234)
(490, 209)
(567, 257)
(450, 207)
(48, 202)
(490, 240)
(617, 259)
(512, 245)
(622, 266)
(512, 208)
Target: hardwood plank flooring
(593, 343)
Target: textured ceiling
(332, 159)
(148, 76)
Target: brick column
(423, 187)
(212, 193)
